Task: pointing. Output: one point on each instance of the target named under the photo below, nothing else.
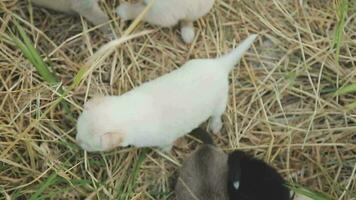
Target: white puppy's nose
(78, 141)
(82, 144)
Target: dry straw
(292, 98)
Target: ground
(292, 98)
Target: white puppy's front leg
(187, 31)
(93, 13)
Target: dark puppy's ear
(202, 135)
(234, 168)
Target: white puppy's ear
(111, 140)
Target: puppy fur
(87, 8)
(162, 110)
(209, 173)
(203, 174)
(253, 179)
(167, 13)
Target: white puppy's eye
(236, 185)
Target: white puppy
(158, 112)
(167, 13)
(87, 8)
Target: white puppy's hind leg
(155, 16)
(187, 31)
(216, 124)
(129, 11)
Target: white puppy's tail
(231, 59)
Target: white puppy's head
(96, 130)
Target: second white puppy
(87, 8)
(167, 13)
(158, 112)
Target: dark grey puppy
(209, 173)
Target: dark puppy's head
(203, 174)
(253, 179)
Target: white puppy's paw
(123, 11)
(215, 125)
(187, 34)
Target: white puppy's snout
(78, 141)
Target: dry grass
(283, 106)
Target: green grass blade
(31, 53)
(342, 13)
(34, 57)
(51, 180)
(135, 173)
(79, 77)
(346, 90)
(351, 106)
(126, 188)
(308, 193)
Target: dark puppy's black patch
(258, 180)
